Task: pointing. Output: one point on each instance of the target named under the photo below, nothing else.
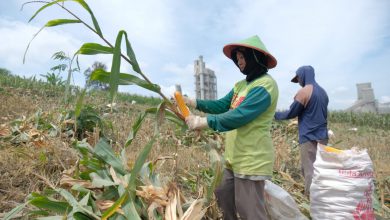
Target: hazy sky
(347, 42)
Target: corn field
(361, 119)
(68, 153)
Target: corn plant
(53, 79)
(114, 77)
(101, 185)
(381, 121)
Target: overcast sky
(347, 42)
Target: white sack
(342, 186)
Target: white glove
(195, 122)
(190, 102)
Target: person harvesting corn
(311, 107)
(245, 114)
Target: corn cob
(181, 104)
(332, 149)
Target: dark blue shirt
(310, 106)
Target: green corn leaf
(137, 167)
(80, 216)
(38, 213)
(81, 189)
(177, 121)
(57, 22)
(93, 164)
(110, 193)
(83, 147)
(62, 21)
(93, 49)
(124, 79)
(104, 151)
(77, 207)
(85, 199)
(116, 65)
(217, 166)
(95, 23)
(131, 55)
(129, 205)
(67, 85)
(99, 182)
(168, 115)
(68, 197)
(131, 211)
(50, 205)
(29, 43)
(45, 6)
(148, 174)
(48, 24)
(11, 214)
(134, 129)
(110, 211)
(79, 104)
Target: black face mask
(255, 63)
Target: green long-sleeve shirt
(246, 114)
(222, 118)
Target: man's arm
(301, 100)
(296, 109)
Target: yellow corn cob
(181, 104)
(332, 149)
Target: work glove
(195, 122)
(190, 102)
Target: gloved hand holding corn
(194, 122)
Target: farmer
(311, 106)
(245, 114)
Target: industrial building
(205, 81)
(366, 101)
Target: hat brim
(271, 61)
(295, 79)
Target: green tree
(95, 84)
(5, 72)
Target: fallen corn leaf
(68, 181)
(116, 179)
(195, 212)
(106, 204)
(154, 206)
(170, 210)
(4, 131)
(153, 194)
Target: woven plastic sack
(279, 203)
(342, 186)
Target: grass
(28, 166)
